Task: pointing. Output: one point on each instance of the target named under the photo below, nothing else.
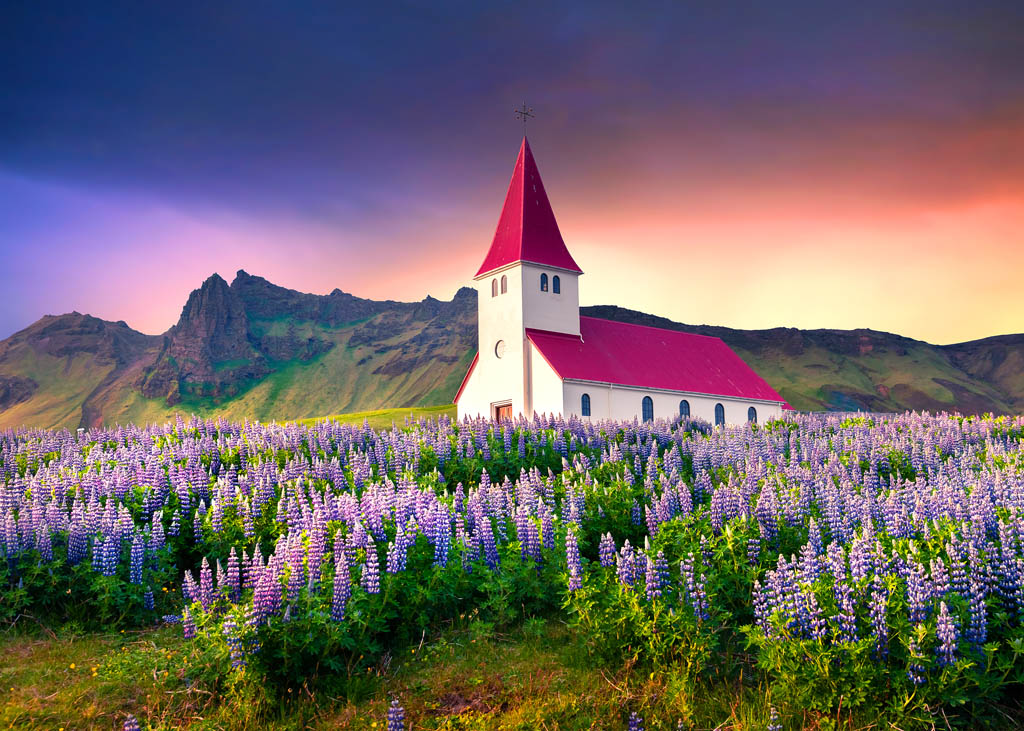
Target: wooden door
(503, 413)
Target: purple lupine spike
(342, 582)
(370, 580)
(606, 550)
(945, 630)
(816, 625)
(636, 722)
(626, 565)
(237, 653)
(878, 612)
(572, 557)
(233, 583)
(915, 665)
(442, 535)
(845, 618)
(137, 555)
(205, 585)
(396, 717)
(977, 625)
(131, 723)
(296, 569)
(188, 624)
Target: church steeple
(527, 230)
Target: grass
(384, 418)
(534, 676)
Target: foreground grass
(384, 418)
(532, 677)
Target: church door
(503, 412)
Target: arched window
(719, 415)
(504, 284)
(543, 282)
(556, 285)
(684, 408)
(752, 415)
(494, 288)
(585, 404)
(648, 408)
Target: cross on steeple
(524, 113)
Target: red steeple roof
(527, 230)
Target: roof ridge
(652, 327)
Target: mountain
(252, 349)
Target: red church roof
(649, 357)
(527, 230)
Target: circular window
(499, 348)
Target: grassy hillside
(384, 418)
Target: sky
(752, 165)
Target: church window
(499, 349)
(494, 288)
(504, 284)
(752, 415)
(543, 282)
(648, 408)
(719, 415)
(556, 285)
(585, 404)
(684, 408)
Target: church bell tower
(528, 280)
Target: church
(536, 354)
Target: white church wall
(547, 310)
(497, 380)
(626, 402)
(545, 392)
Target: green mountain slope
(253, 350)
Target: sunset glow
(838, 172)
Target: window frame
(585, 405)
(504, 284)
(494, 287)
(686, 412)
(556, 285)
(751, 415)
(543, 281)
(719, 414)
(647, 409)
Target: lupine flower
(396, 717)
(915, 666)
(572, 557)
(606, 550)
(636, 722)
(131, 723)
(774, 723)
(945, 630)
(370, 580)
(879, 622)
(230, 632)
(188, 624)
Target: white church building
(536, 354)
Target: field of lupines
(854, 567)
